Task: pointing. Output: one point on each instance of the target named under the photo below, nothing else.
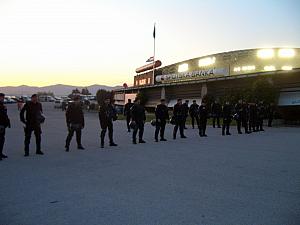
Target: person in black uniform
(107, 114)
(179, 118)
(194, 113)
(33, 119)
(185, 111)
(75, 122)
(4, 123)
(161, 115)
(252, 117)
(245, 117)
(216, 110)
(238, 115)
(270, 114)
(261, 111)
(227, 116)
(203, 114)
(127, 113)
(138, 116)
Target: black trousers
(239, 125)
(107, 126)
(37, 132)
(226, 125)
(195, 117)
(202, 127)
(160, 128)
(259, 124)
(179, 124)
(2, 140)
(245, 125)
(252, 125)
(139, 127)
(128, 118)
(70, 136)
(214, 121)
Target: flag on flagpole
(151, 59)
(154, 32)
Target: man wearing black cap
(4, 123)
(161, 115)
(179, 118)
(107, 114)
(75, 122)
(33, 120)
(139, 118)
(127, 113)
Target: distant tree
(102, 94)
(75, 91)
(43, 93)
(142, 97)
(85, 91)
(264, 90)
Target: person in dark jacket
(238, 115)
(4, 123)
(245, 117)
(216, 110)
(33, 120)
(194, 113)
(107, 114)
(179, 118)
(270, 113)
(127, 113)
(185, 106)
(261, 112)
(203, 115)
(227, 116)
(138, 117)
(75, 122)
(252, 117)
(161, 115)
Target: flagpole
(154, 34)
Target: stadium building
(217, 75)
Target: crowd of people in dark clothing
(249, 116)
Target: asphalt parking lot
(232, 180)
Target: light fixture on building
(265, 53)
(207, 61)
(287, 68)
(269, 68)
(183, 67)
(237, 69)
(248, 68)
(286, 53)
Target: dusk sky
(84, 42)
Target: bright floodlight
(207, 61)
(183, 67)
(237, 69)
(286, 53)
(265, 53)
(248, 68)
(269, 68)
(287, 68)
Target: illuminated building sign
(194, 75)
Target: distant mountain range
(58, 89)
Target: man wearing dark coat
(127, 113)
(227, 117)
(4, 123)
(179, 118)
(216, 110)
(33, 120)
(75, 122)
(138, 117)
(161, 115)
(107, 114)
(185, 106)
(194, 113)
(203, 115)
